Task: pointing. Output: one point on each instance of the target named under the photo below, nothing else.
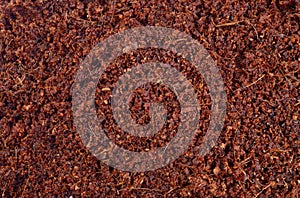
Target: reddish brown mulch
(255, 45)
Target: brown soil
(255, 45)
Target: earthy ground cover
(255, 44)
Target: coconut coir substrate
(255, 45)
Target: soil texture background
(255, 45)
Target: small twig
(263, 189)
(293, 77)
(26, 183)
(166, 147)
(297, 104)
(253, 83)
(245, 161)
(229, 24)
(4, 189)
(254, 29)
(113, 11)
(81, 20)
(297, 14)
(16, 154)
(165, 195)
(148, 189)
(290, 84)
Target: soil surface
(255, 45)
